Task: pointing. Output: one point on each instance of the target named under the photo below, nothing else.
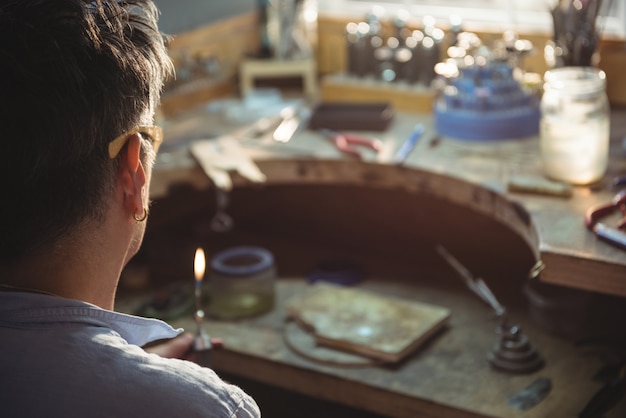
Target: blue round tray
(492, 125)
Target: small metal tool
(292, 119)
(513, 352)
(409, 144)
(287, 128)
(347, 143)
(531, 395)
(612, 392)
(221, 221)
(476, 285)
(217, 158)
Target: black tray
(352, 116)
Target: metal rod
(476, 284)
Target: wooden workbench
(572, 255)
(450, 377)
(318, 204)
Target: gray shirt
(65, 358)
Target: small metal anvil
(513, 352)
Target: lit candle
(199, 265)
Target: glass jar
(288, 28)
(574, 129)
(241, 283)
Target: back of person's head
(74, 74)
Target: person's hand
(179, 347)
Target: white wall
(183, 15)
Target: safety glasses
(154, 134)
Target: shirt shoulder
(78, 360)
(187, 388)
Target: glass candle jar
(574, 128)
(241, 283)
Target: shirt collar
(24, 308)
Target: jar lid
(242, 261)
(575, 80)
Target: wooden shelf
(411, 98)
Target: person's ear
(133, 175)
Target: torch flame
(199, 264)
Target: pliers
(615, 236)
(347, 143)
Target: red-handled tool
(348, 143)
(615, 236)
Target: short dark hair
(74, 74)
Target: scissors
(347, 143)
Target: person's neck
(66, 277)
(83, 270)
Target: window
(520, 15)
